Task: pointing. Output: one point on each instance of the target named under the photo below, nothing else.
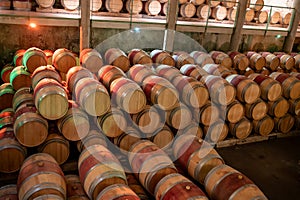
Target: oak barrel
(256, 5)
(286, 61)
(34, 58)
(261, 16)
(22, 5)
(201, 58)
(229, 3)
(93, 137)
(167, 72)
(231, 13)
(8, 192)
(44, 72)
(118, 192)
(216, 131)
(285, 18)
(70, 4)
(45, 3)
(239, 60)
(134, 6)
(108, 73)
(179, 117)
(272, 61)
(139, 72)
(114, 6)
(194, 71)
(19, 78)
(257, 61)
(212, 3)
(187, 10)
(219, 12)
(124, 141)
(152, 7)
(263, 126)
(181, 58)
(5, 73)
(203, 11)
(250, 14)
(242, 129)
(163, 138)
(139, 56)
(18, 57)
(91, 59)
(74, 75)
(117, 57)
(6, 95)
(278, 108)
(5, 4)
(197, 2)
(256, 110)
(234, 112)
(95, 5)
(217, 69)
(207, 114)
(63, 59)
(294, 108)
(75, 190)
(285, 123)
(275, 17)
(162, 57)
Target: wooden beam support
(171, 25)
(237, 31)
(85, 24)
(290, 39)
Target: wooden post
(290, 39)
(171, 25)
(85, 24)
(237, 31)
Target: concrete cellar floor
(274, 165)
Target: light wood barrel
(286, 61)
(256, 5)
(212, 3)
(297, 61)
(75, 190)
(261, 16)
(89, 92)
(250, 14)
(247, 90)
(56, 146)
(290, 84)
(108, 73)
(203, 11)
(207, 114)
(74, 125)
(124, 141)
(22, 5)
(19, 78)
(113, 123)
(118, 58)
(148, 120)
(74, 75)
(194, 71)
(161, 92)
(224, 182)
(118, 192)
(94, 137)
(187, 10)
(271, 90)
(221, 92)
(285, 18)
(70, 4)
(114, 6)
(51, 99)
(256, 110)
(41, 175)
(152, 7)
(49, 54)
(95, 5)
(44, 72)
(201, 58)
(11, 151)
(216, 131)
(239, 60)
(150, 164)
(136, 187)
(219, 12)
(275, 17)
(193, 128)
(139, 56)
(285, 123)
(163, 138)
(6, 95)
(63, 59)
(192, 92)
(257, 62)
(164, 9)
(294, 108)
(278, 108)
(217, 69)
(5, 5)
(18, 57)
(182, 58)
(5, 73)
(179, 117)
(45, 3)
(167, 72)
(162, 57)
(263, 126)
(229, 4)
(99, 168)
(139, 72)
(242, 129)
(231, 13)
(234, 112)
(91, 59)
(221, 58)
(295, 74)
(181, 186)
(134, 6)
(272, 61)
(127, 95)
(197, 2)
(8, 192)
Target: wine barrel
(5, 4)
(11, 151)
(290, 84)
(177, 184)
(134, 6)
(91, 59)
(261, 16)
(167, 72)
(231, 13)
(201, 58)
(44, 72)
(256, 110)
(219, 12)
(203, 11)
(49, 55)
(247, 90)
(148, 120)
(95, 5)
(250, 14)
(271, 90)
(197, 2)
(113, 123)
(63, 59)
(192, 92)
(150, 164)
(162, 57)
(8, 192)
(161, 92)
(234, 112)
(74, 75)
(294, 108)
(136, 187)
(196, 156)
(41, 175)
(239, 60)
(118, 58)
(193, 128)
(263, 126)
(124, 141)
(127, 95)
(117, 192)
(284, 124)
(94, 137)
(272, 61)
(5, 73)
(285, 18)
(218, 70)
(187, 10)
(242, 129)
(139, 56)
(98, 169)
(207, 114)
(51, 99)
(256, 5)
(286, 61)
(257, 62)
(108, 73)
(6, 96)
(74, 125)
(139, 72)
(19, 78)
(275, 17)
(194, 71)
(278, 108)
(221, 58)
(18, 57)
(152, 7)
(34, 58)
(56, 146)
(224, 182)
(45, 3)
(114, 6)
(163, 138)
(70, 4)
(221, 92)
(295, 74)
(22, 5)
(89, 92)
(212, 3)
(179, 117)
(216, 131)
(74, 188)
(297, 61)
(6, 119)
(165, 8)
(182, 58)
